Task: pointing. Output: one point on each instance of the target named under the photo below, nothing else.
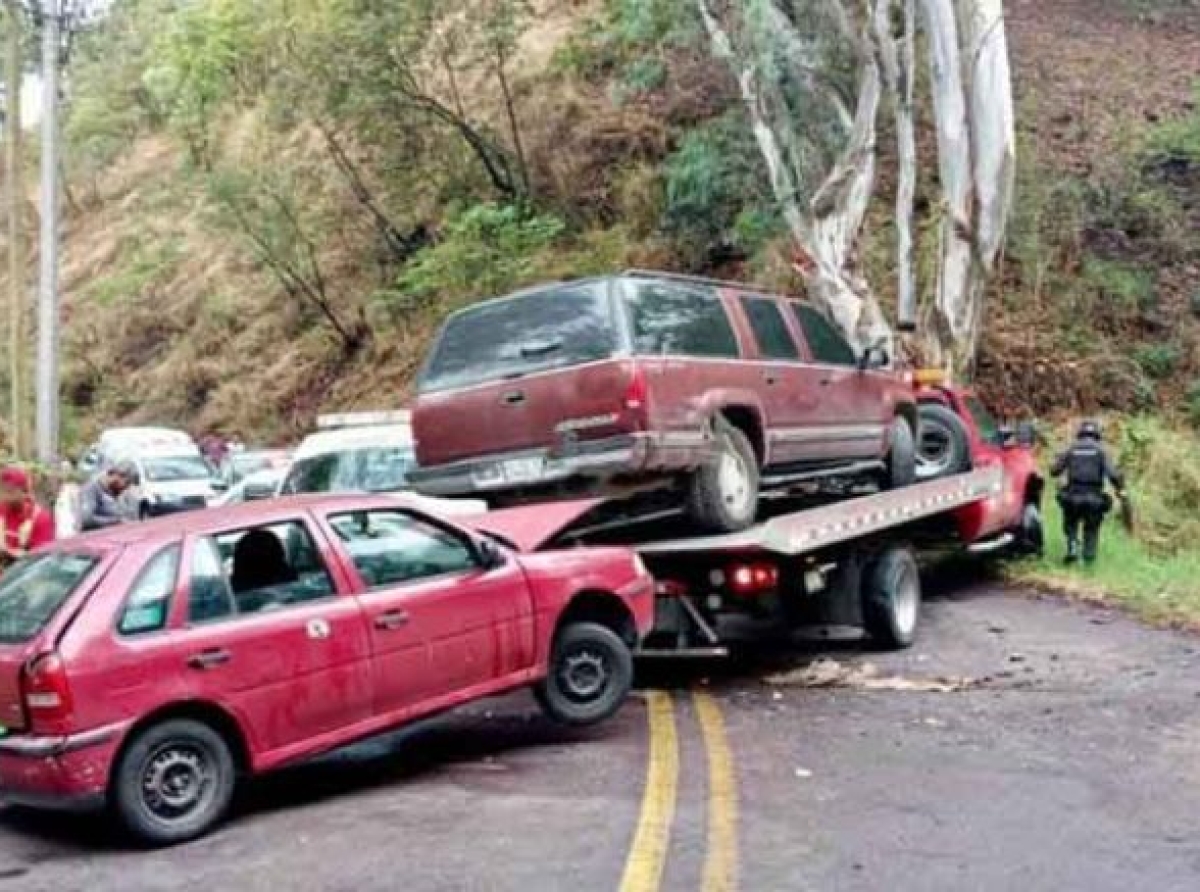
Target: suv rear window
(535, 332)
(668, 319)
(33, 589)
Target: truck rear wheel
(891, 599)
(723, 494)
(591, 674)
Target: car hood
(531, 527)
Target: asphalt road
(1070, 761)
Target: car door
(441, 623)
(850, 406)
(788, 386)
(277, 643)
(685, 339)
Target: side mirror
(1006, 437)
(489, 553)
(874, 356)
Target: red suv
(148, 666)
(644, 378)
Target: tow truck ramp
(813, 529)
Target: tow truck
(827, 557)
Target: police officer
(1084, 502)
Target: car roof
(212, 520)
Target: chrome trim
(48, 747)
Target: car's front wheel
(591, 674)
(173, 782)
(723, 493)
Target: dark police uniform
(1084, 501)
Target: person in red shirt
(24, 524)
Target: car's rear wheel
(902, 455)
(173, 782)
(723, 493)
(1030, 536)
(591, 674)
(943, 447)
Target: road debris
(827, 673)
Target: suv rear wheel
(723, 494)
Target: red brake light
(47, 692)
(637, 391)
(751, 579)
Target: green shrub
(1127, 287)
(1159, 361)
(1192, 402)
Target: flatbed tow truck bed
(850, 562)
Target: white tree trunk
(897, 59)
(826, 231)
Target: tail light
(753, 579)
(46, 693)
(637, 394)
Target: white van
(172, 479)
(364, 452)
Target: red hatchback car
(642, 380)
(148, 666)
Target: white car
(172, 479)
(126, 440)
(365, 452)
(252, 487)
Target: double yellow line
(648, 854)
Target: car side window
(667, 319)
(394, 547)
(149, 600)
(770, 329)
(256, 570)
(826, 342)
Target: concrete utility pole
(47, 334)
(16, 255)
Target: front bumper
(60, 772)
(164, 508)
(595, 460)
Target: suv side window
(149, 600)
(667, 319)
(826, 342)
(392, 547)
(255, 570)
(770, 329)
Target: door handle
(771, 378)
(209, 659)
(825, 382)
(391, 619)
(514, 398)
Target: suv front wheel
(723, 493)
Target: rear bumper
(594, 460)
(60, 772)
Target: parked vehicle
(115, 440)
(149, 666)
(238, 465)
(172, 479)
(648, 379)
(252, 487)
(363, 452)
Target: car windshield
(32, 589)
(549, 329)
(168, 469)
(368, 469)
(248, 463)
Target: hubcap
(177, 780)
(935, 452)
(905, 600)
(733, 477)
(584, 674)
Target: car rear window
(549, 329)
(671, 320)
(369, 469)
(32, 590)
